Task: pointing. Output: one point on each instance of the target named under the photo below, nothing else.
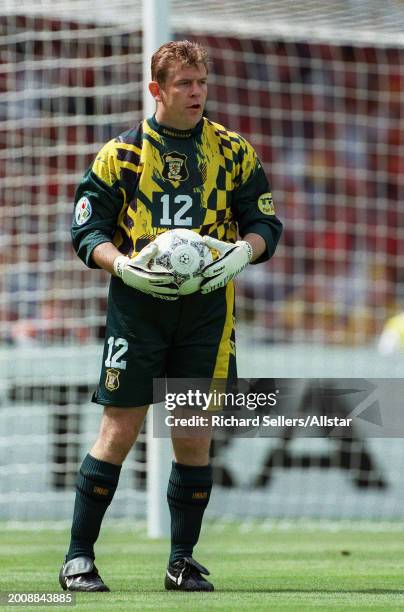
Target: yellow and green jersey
(153, 178)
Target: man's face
(181, 99)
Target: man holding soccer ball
(176, 169)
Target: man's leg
(96, 484)
(204, 349)
(188, 495)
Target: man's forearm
(257, 243)
(104, 256)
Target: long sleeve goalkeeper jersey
(153, 178)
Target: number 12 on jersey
(180, 210)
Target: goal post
(156, 31)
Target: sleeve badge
(83, 211)
(265, 204)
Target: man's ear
(154, 89)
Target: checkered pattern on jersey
(232, 149)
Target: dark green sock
(188, 495)
(95, 487)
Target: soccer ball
(185, 254)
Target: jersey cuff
(269, 234)
(87, 246)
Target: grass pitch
(265, 567)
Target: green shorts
(147, 338)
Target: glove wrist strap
(249, 250)
(119, 264)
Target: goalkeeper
(175, 169)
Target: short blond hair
(184, 51)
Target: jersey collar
(165, 130)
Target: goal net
(316, 87)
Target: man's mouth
(195, 106)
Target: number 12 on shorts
(117, 347)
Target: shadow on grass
(268, 590)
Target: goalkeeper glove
(233, 259)
(136, 273)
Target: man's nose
(195, 88)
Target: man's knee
(118, 432)
(192, 451)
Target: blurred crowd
(325, 119)
(329, 131)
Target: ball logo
(83, 211)
(265, 204)
(184, 260)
